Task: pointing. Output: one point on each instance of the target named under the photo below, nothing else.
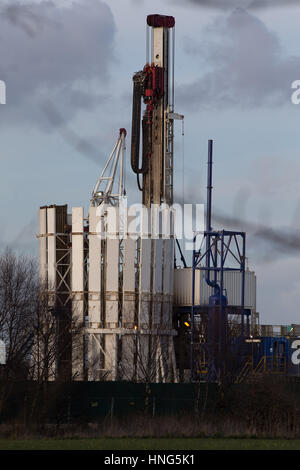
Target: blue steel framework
(219, 244)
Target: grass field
(150, 444)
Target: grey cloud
(272, 239)
(29, 19)
(249, 4)
(24, 241)
(61, 53)
(89, 147)
(79, 144)
(244, 66)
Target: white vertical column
(145, 265)
(157, 266)
(47, 275)
(129, 259)
(157, 296)
(112, 268)
(94, 294)
(168, 268)
(144, 302)
(51, 265)
(128, 307)
(77, 285)
(112, 289)
(43, 245)
(111, 355)
(95, 231)
(37, 351)
(51, 254)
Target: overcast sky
(68, 69)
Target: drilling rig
(113, 269)
(117, 267)
(155, 86)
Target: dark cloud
(80, 144)
(243, 66)
(88, 147)
(266, 242)
(61, 53)
(29, 19)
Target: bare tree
(40, 337)
(18, 287)
(58, 338)
(145, 358)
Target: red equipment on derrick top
(158, 21)
(153, 87)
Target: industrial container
(232, 288)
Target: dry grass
(157, 427)
(268, 409)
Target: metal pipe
(193, 313)
(222, 329)
(209, 186)
(243, 287)
(208, 217)
(222, 271)
(181, 254)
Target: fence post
(69, 409)
(153, 407)
(25, 410)
(112, 406)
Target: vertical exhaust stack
(208, 218)
(209, 185)
(217, 301)
(211, 283)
